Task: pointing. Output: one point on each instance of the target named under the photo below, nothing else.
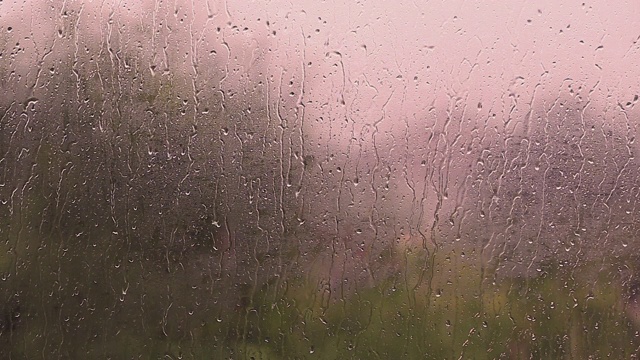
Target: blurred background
(331, 180)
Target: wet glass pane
(286, 180)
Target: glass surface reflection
(270, 180)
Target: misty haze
(267, 180)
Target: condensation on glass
(267, 180)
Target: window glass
(319, 179)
